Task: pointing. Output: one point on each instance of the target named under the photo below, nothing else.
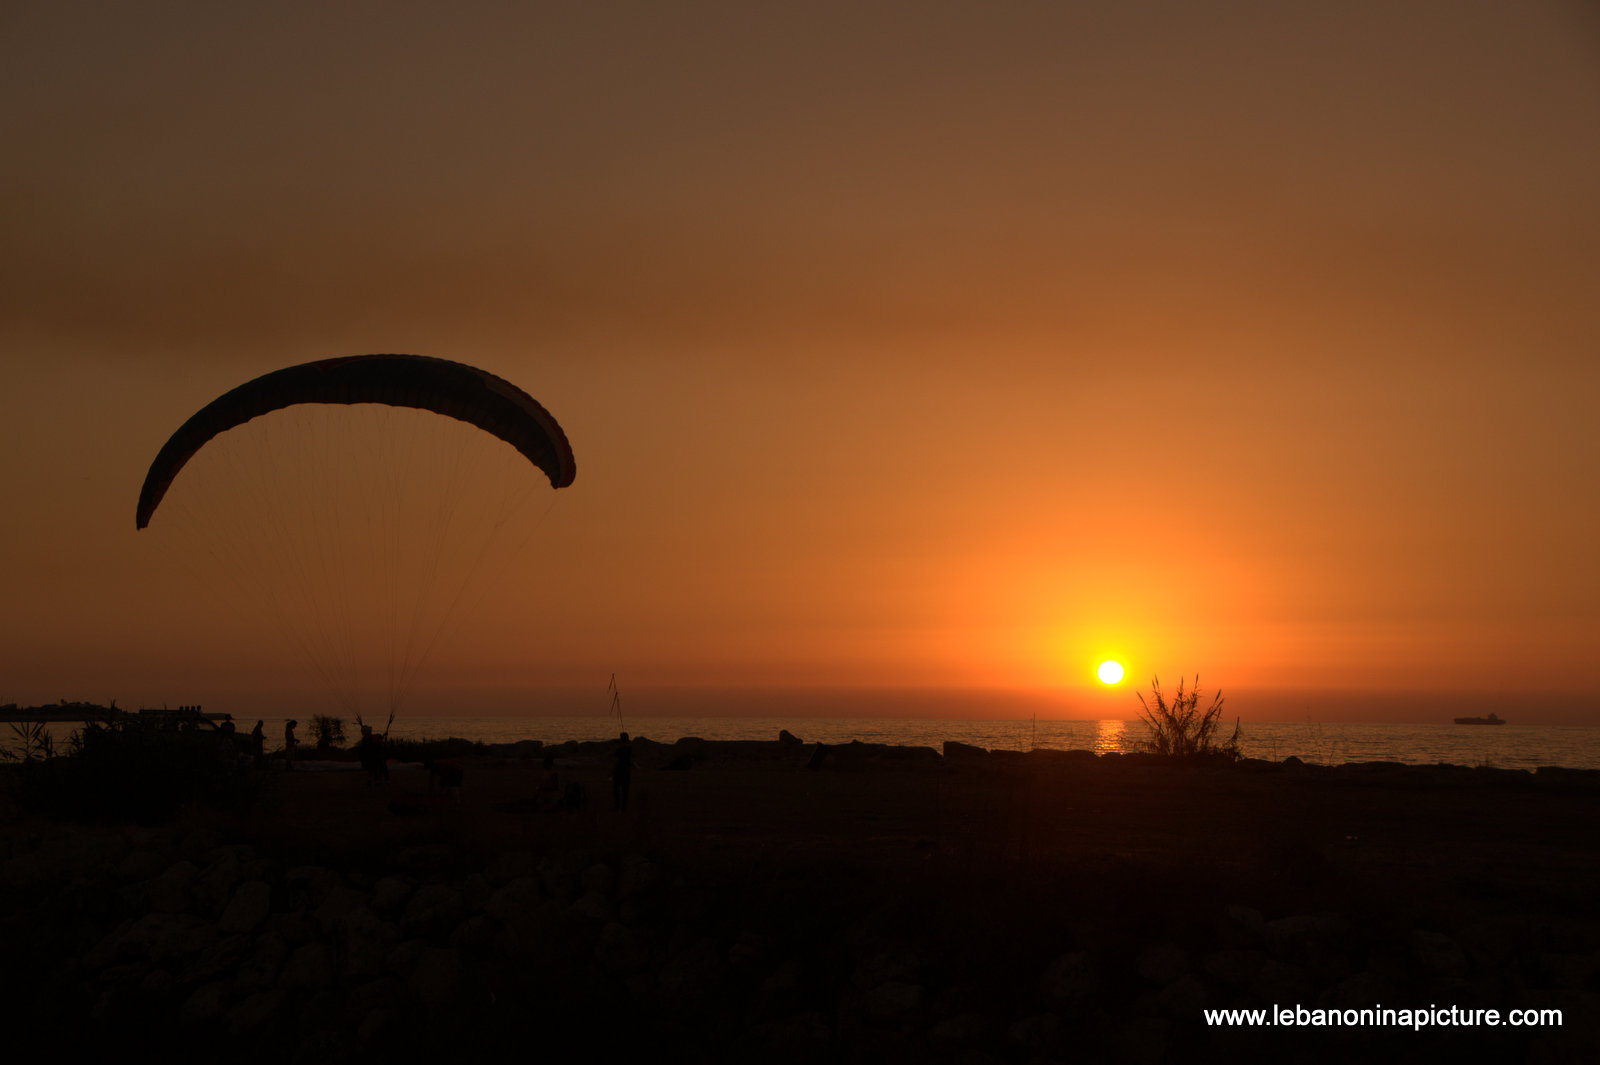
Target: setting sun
(1110, 672)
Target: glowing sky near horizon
(901, 346)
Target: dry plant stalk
(1180, 727)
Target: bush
(328, 731)
(1180, 727)
(30, 740)
(135, 770)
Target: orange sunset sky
(915, 356)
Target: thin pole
(616, 700)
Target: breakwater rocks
(886, 907)
(122, 946)
(791, 750)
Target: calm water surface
(1501, 746)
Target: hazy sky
(902, 346)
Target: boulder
(204, 1003)
(368, 939)
(595, 906)
(434, 910)
(309, 968)
(475, 932)
(248, 907)
(255, 1012)
(1162, 963)
(171, 892)
(894, 1000)
(509, 866)
(1069, 979)
(620, 950)
(390, 895)
(598, 879)
(213, 888)
(437, 977)
(308, 885)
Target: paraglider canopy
(453, 389)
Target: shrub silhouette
(32, 741)
(128, 769)
(328, 730)
(1179, 727)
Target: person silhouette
(548, 796)
(372, 759)
(289, 743)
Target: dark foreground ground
(894, 905)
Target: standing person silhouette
(372, 758)
(289, 743)
(622, 772)
(548, 797)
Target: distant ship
(1492, 719)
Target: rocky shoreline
(890, 904)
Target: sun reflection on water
(1108, 737)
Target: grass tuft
(1179, 727)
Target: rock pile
(122, 939)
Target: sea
(1510, 746)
